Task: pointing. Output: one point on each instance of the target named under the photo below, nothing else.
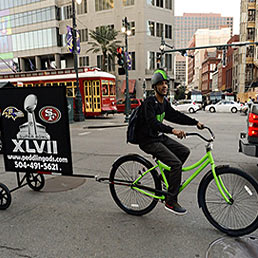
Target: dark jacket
(149, 125)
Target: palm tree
(105, 42)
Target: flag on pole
(69, 40)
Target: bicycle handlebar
(199, 135)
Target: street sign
(35, 130)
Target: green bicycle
(228, 196)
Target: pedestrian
(151, 136)
(204, 104)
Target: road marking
(84, 133)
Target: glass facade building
(34, 35)
(189, 23)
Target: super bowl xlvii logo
(32, 136)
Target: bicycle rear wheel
(240, 217)
(127, 169)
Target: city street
(80, 219)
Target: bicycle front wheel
(241, 216)
(128, 169)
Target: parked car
(120, 104)
(186, 106)
(248, 140)
(224, 106)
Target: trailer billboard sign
(35, 130)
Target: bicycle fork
(221, 187)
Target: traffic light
(120, 56)
(121, 60)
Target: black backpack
(131, 129)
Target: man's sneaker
(175, 208)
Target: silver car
(186, 106)
(224, 106)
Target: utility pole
(126, 30)
(78, 114)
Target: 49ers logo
(49, 114)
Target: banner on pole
(69, 40)
(35, 130)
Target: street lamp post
(127, 32)
(78, 114)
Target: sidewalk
(116, 120)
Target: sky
(225, 7)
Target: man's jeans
(173, 154)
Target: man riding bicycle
(151, 136)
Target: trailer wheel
(5, 197)
(35, 181)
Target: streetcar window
(112, 87)
(69, 89)
(29, 85)
(105, 88)
(69, 92)
(55, 84)
(48, 84)
(61, 84)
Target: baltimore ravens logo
(12, 112)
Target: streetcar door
(92, 96)
(96, 96)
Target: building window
(168, 62)
(151, 2)
(82, 8)
(31, 40)
(101, 5)
(25, 18)
(100, 61)
(128, 2)
(150, 60)
(159, 29)
(132, 28)
(10, 4)
(84, 61)
(83, 35)
(251, 15)
(111, 64)
(168, 4)
(66, 12)
(168, 31)
(159, 3)
(110, 26)
(150, 28)
(250, 33)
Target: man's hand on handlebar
(200, 126)
(179, 133)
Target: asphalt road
(85, 222)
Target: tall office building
(187, 25)
(33, 32)
(248, 59)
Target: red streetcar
(98, 88)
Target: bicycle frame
(200, 165)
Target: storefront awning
(131, 86)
